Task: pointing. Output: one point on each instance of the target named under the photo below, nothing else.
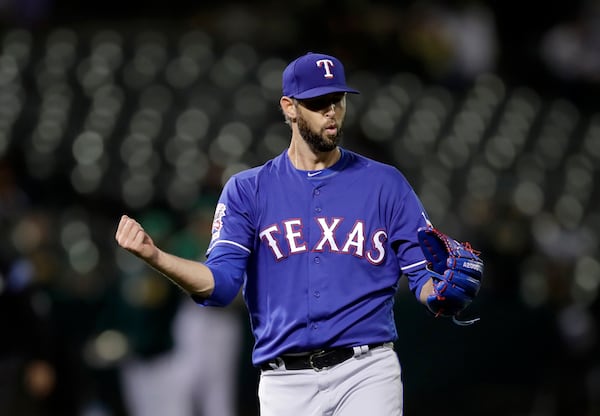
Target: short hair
(288, 120)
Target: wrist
(426, 291)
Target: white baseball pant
(368, 384)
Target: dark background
(518, 177)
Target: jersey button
(317, 260)
(316, 294)
(317, 192)
(318, 209)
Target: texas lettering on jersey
(286, 238)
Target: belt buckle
(314, 355)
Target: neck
(303, 158)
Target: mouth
(331, 129)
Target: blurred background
(490, 108)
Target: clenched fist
(132, 237)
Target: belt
(317, 360)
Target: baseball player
(318, 238)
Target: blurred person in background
(569, 51)
(165, 371)
(451, 42)
(571, 48)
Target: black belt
(317, 360)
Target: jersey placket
(316, 279)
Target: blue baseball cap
(313, 75)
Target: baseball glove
(456, 270)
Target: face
(320, 121)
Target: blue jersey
(322, 252)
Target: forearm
(192, 276)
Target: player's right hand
(132, 237)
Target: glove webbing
(450, 248)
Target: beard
(319, 142)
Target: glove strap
(465, 323)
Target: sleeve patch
(218, 221)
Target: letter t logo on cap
(313, 75)
(327, 64)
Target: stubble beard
(319, 142)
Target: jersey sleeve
(233, 221)
(408, 215)
(227, 264)
(232, 240)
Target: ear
(288, 107)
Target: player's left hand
(456, 269)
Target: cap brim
(317, 92)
